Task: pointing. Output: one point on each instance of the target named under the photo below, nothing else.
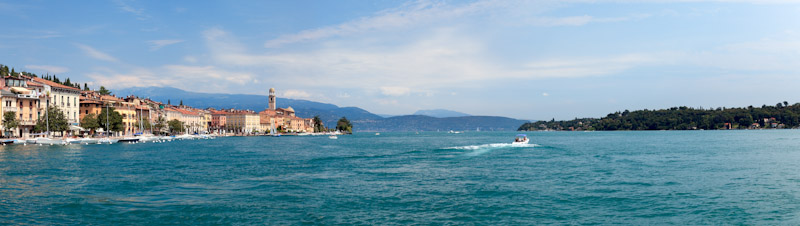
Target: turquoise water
(659, 177)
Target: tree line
(781, 115)
(6, 71)
(343, 125)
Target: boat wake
(484, 148)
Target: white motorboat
(184, 137)
(45, 140)
(107, 141)
(147, 138)
(72, 140)
(521, 139)
(333, 137)
(377, 134)
(88, 140)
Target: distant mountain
(440, 113)
(427, 123)
(362, 120)
(386, 116)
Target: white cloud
(582, 67)
(387, 102)
(190, 59)
(296, 94)
(395, 90)
(158, 44)
(580, 20)
(444, 57)
(404, 16)
(138, 12)
(194, 78)
(48, 68)
(96, 54)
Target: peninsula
(780, 116)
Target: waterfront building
(25, 98)
(64, 97)
(243, 121)
(218, 121)
(141, 114)
(283, 118)
(89, 103)
(193, 121)
(9, 104)
(126, 109)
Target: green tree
(110, 120)
(181, 104)
(175, 126)
(54, 121)
(160, 123)
(10, 120)
(104, 91)
(4, 71)
(318, 127)
(85, 87)
(344, 125)
(145, 123)
(90, 122)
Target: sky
(535, 60)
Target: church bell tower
(272, 99)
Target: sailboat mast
(107, 120)
(46, 116)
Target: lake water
(634, 178)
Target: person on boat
(516, 139)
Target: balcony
(7, 109)
(27, 122)
(27, 96)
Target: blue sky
(522, 59)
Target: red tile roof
(53, 84)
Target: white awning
(76, 128)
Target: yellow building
(243, 121)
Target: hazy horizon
(522, 59)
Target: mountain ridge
(362, 120)
(441, 113)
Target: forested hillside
(782, 115)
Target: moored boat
(128, 140)
(88, 140)
(107, 141)
(45, 140)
